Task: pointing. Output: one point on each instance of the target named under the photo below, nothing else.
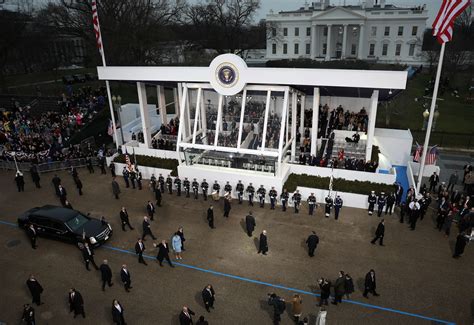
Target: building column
(371, 127)
(344, 42)
(176, 102)
(293, 125)
(315, 120)
(313, 41)
(144, 115)
(302, 106)
(328, 44)
(160, 92)
(361, 41)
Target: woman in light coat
(177, 246)
(296, 306)
(321, 320)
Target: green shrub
(154, 162)
(338, 184)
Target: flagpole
(430, 118)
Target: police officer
(261, 195)
(186, 186)
(273, 197)
(204, 187)
(169, 184)
(381, 200)
(228, 188)
(133, 177)
(329, 204)
(126, 175)
(195, 188)
(372, 200)
(311, 203)
(139, 179)
(216, 187)
(240, 191)
(296, 198)
(161, 181)
(250, 191)
(337, 206)
(177, 183)
(284, 199)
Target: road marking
(236, 277)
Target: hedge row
(154, 162)
(338, 184)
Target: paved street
(418, 280)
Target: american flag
(127, 161)
(95, 20)
(431, 156)
(417, 155)
(444, 22)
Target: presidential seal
(227, 74)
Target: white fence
(168, 154)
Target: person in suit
(150, 209)
(210, 217)
(325, 286)
(62, 195)
(68, 205)
(56, 182)
(250, 223)
(147, 229)
(390, 203)
(208, 296)
(461, 242)
(126, 278)
(227, 206)
(349, 285)
(124, 219)
(32, 234)
(185, 317)
(76, 303)
(202, 321)
(78, 185)
(139, 249)
(312, 242)
(339, 288)
(35, 176)
(35, 289)
(88, 255)
(158, 196)
(28, 315)
(115, 188)
(263, 244)
(112, 169)
(20, 181)
(379, 233)
(434, 180)
(106, 274)
(163, 253)
(117, 313)
(370, 284)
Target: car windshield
(77, 222)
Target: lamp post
(117, 101)
(426, 114)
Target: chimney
(382, 3)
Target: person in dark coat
(312, 242)
(78, 185)
(28, 315)
(263, 244)
(76, 303)
(106, 274)
(370, 284)
(56, 182)
(163, 253)
(227, 206)
(202, 321)
(20, 181)
(339, 288)
(126, 278)
(158, 196)
(35, 176)
(210, 217)
(379, 233)
(434, 180)
(112, 169)
(139, 249)
(250, 223)
(349, 285)
(117, 313)
(124, 219)
(150, 209)
(461, 242)
(32, 234)
(35, 289)
(180, 233)
(185, 317)
(62, 194)
(147, 228)
(88, 255)
(325, 286)
(115, 188)
(68, 205)
(208, 296)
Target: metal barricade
(47, 166)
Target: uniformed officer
(372, 200)
(139, 179)
(153, 182)
(126, 175)
(296, 198)
(216, 187)
(261, 195)
(337, 206)
(311, 203)
(284, 199)
(329, 204)
(250, 191)
(273, 197)
(204, 187)
(169, 183)
(195, 188)
(133, 177)
(240, 191)
(161, 181)
(381, 200)
(228, 188)
(177, 183)
(186, 185)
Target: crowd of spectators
(341, 162)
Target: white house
(373, 31)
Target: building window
(411, 50)
(274, 49)
(297, 48)
(387, 31)
(325, 48)
(308, 48)
(400, 30)
(285, 48)
(398, 49)
(308, 31)
(274, 32)
(414, 30)
(373, 31)
(384, 49)
(353, 49)
(325, 31)
(297, 31)
(285, 31)
(371, 49)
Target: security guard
(177, 183)
(329, 204)
(337, 206)
(261, 195)
(133, 177)
(381, 200)
(153, 182)
(186, 186)
(204, 187)
(296, 198)
(139, 179)
(228, 188)
(195, 188)
(311, 203)
(273, 197)
(216, 187)
(251, 191)
(372, 200)
(126, 175)
(169, 183)
(284, 199)
(240, 191)
(161, 181)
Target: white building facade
(372, 31)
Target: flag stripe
(447, 14)
(439, 17)
(95, 21)
(455, 10)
